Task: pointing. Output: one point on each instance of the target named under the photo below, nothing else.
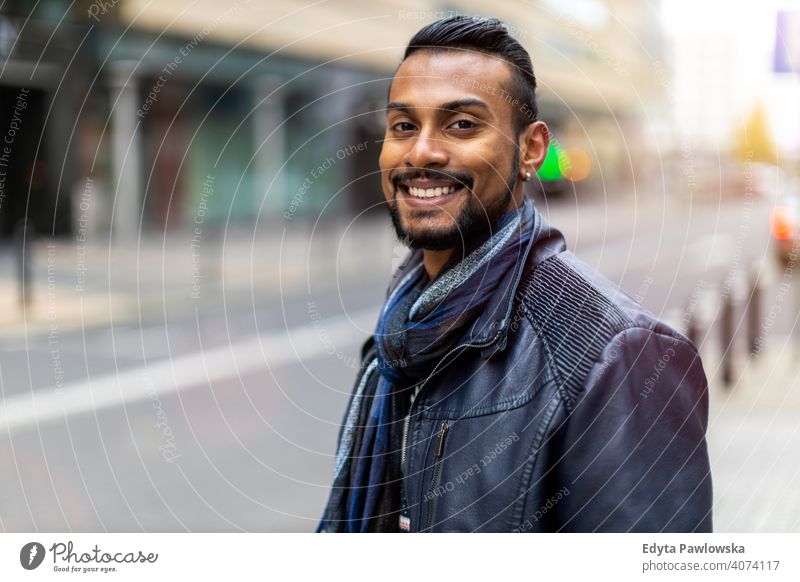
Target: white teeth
(430, 192)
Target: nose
(427, 151)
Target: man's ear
(534, 141)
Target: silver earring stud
(527, 176)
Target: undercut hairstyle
(488, 36)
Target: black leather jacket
(578, 412)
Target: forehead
(431, 77)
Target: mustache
(461, 177)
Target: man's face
(449, 158)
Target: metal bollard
(693, 327)
(726, 336)
(23, 238)
(754, 315)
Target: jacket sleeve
(633, 449)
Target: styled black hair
(489, 36)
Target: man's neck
(434, 261)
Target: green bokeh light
(551, 168)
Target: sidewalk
(88, 284)
(754, 442)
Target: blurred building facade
(144, 115)
(736, 116)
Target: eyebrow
(449, 106)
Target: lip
(402, 192)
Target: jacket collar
(492, 325)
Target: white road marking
(187, 371)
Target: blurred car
(783, 223)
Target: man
(507, 387)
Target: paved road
(221, 415)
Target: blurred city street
(163, 412)
(194, 241)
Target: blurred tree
(754, 141)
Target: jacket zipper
(496, 337)
(436, 470)
(407, 420)
(404, 519)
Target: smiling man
(507, 386)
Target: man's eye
(403, 126)
(463, 124)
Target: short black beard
(473, 225)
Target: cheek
(487, 172)
(486, 158)
(385, 165)
(499, 164)
(391, 153)
(384, 157)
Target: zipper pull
(440, 443)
